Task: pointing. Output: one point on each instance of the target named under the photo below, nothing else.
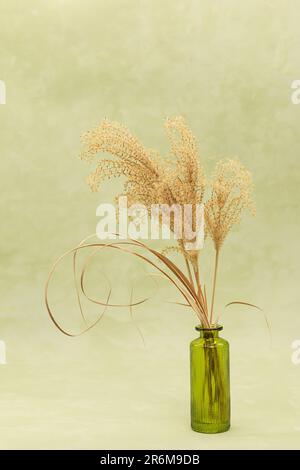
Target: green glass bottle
(210, 385)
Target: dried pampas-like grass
(151, 179)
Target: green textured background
(227, 66)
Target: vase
(210, 383)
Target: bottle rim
(211, 328)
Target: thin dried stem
(214, 286)
(188, 269)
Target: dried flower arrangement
(178, 180)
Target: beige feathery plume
(149, 178)
(231, 194)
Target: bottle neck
(209, 333)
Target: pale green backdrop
(227, 66)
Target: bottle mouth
(211, 328)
